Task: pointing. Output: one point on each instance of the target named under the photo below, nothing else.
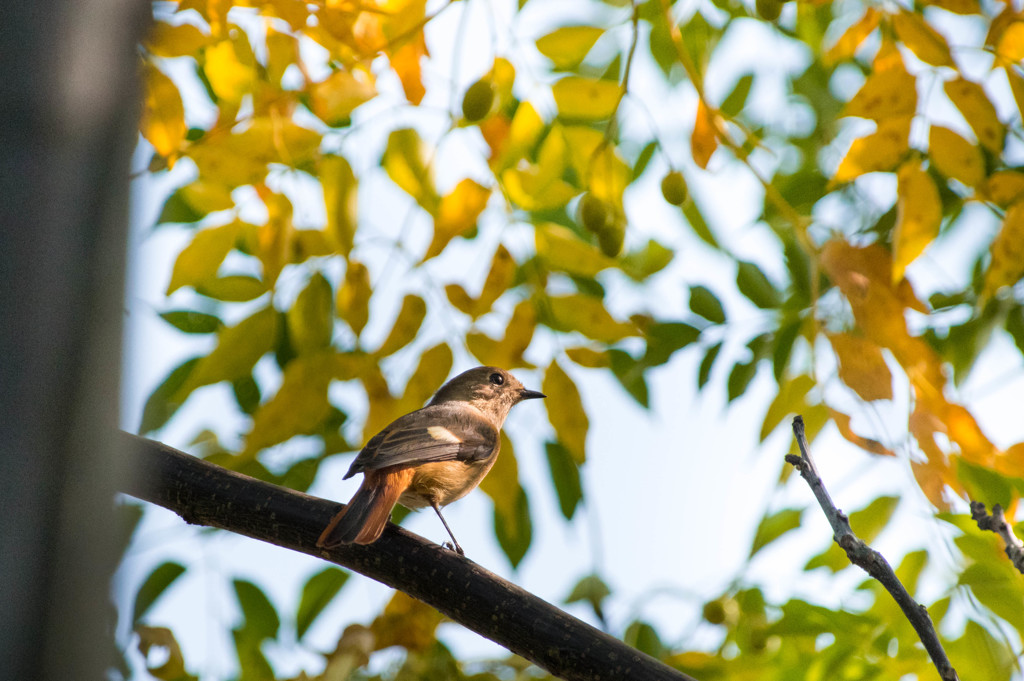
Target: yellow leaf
(567, 46)
(310, 319)
(407, 325)
(1010, 49)
(340, 189)
(790, 399)
(955, 157)
(282, 52)
(891, 93)
(842, 422)
(1017, 88)
(586, 99)
(499, 278)
(533, 189)
(457, 214)
(228, 67)
(924, 41)
(406, 165)
(524, 132)
(199, 261)
(182, 40)
(561, 250)
(502, 482)
(508, 352)
(881, 150)
(236, 159)
(299, 405)
(704, 139)
(238, 349)
(1004, 187)
(977, 110)
(1007, 250)
(459, 298)
(275, 237)
(405, 622)
(853, 37)
(957, 6)
(354, 296)
(163, 114)
(862, 367)
(406, 63)
(587, 315)
(433, 368)
(589, 357)
(918, 216)
(565, 411)
(334, 98)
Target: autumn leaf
(353, 300)
(340, 191)
(406, 164)
(842, 422)
(853, 37)
(919, 214)
(228, 66)
(586, 99)
(955, 157)
(457, 214)
(407, 325)
(568, 45)
(704, 139)
(566, 412)
(334, 98)
(925, 42)
(298, 406)
(1006, 265)
(862, 367)
(200, 260)
(163, 114)
(881, 150)
(891, 93)
(1004, 187)
(977, 109)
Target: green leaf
(739, 378)
(774, 526)
(752, 283)
(177, 210)
(737, 99)
(631, 375)
(159, 406)
(562, 251)
(644, 638)
(199, 261)
(593, 590)
(238, 349)
(867, 524)
(783, 348)
(154, 586)
(587, 315)
(300, 405)
(649, 260)
(706, 364)
(998, 587)
(987, 486)
(311, 318)
(260, 617)
(406, 164)
(190, 321)
(644, 159)
(704, 303)
(978, 652)
(247, 394)
(566, 412)
(232, 288)
(699, 225)
(665, 338)
(1015, 327)
(567, 46)
(909, 571)
(317, 593)
(566, 478)
(513, 528)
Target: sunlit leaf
(507, 352)
(587, 315)
(299, 405)
(340, 189)
(512, 523)
(958, 6)
(891, 93)
(704, 139)
(586, 99)
(567, 46)
(871, 445)
(310, 318)
(405, 622)
(228, 66)
(180, 40)
(434, 366)
(407, 325)
(853, 37)
(163, 114)
(317, 593)
(354, 296)
(406, 164)
(334, 98)
(1006, 265)
(881, 150)
(925, 42)
(1004, 187)
(565, 411)
(737, 99)
(955, 157)
(457, 214)
(791, 399)
(640, 264)
(563, 251)
(970, 98)
(862, 367)
(867, 524)
(235, 288)
(987, 657)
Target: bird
(429, 457)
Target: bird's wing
(440, 432)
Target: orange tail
(364, 518)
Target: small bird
(429, 457)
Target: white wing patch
(442, 434)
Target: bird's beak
(530, 394)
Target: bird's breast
(443, 482)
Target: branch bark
(205, 494)
(996, 522)
(866, 558)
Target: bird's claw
(454, 547)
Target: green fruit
(478, 100)
(610, 239)
(673, 188)
(714, 612)
(593, 213)
(769, 9)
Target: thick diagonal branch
(206, 494)
(869, 560)
(996, 522)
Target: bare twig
(997, 523)
(866, 558)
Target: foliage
(886, 143)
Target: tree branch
(206, 494)
(866, 558)
(997, 523)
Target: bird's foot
(454, 547)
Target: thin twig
(866, 558)
(997, 523)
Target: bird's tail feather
(364, 518)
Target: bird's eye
(497, 379)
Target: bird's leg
(455, 544)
